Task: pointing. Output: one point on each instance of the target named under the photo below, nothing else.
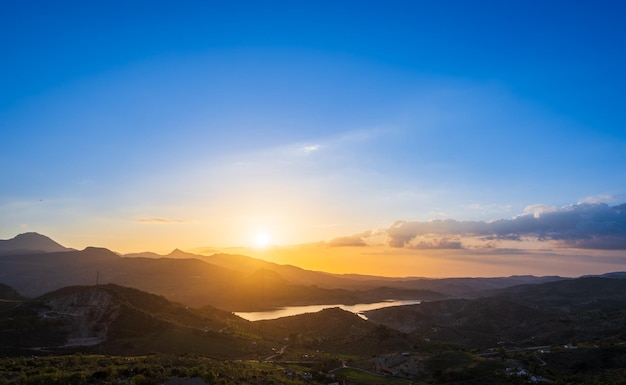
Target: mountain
(395, 287)
(187, 280)
(526, 315)
(472, 287)
(113, 319)
(335, 330)
(615, 274)
(229, 282)
(29, 243)
(248, 265)
(35, 274)
(570, 295)
(117, 329)
(291, 273)
(118, 320)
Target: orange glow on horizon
(402, 262)
(263, 239)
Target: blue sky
(154, 125)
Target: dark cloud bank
(586, 225)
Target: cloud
(507, 237)
(435, 244)
(401, 233)
(538, 210)
(351, 240)
(585, 225)
(598, 199)
(160, 220)
(311, 148)
(347, 241)
(597, 242)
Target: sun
(261, 240)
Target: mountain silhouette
(29, 243)
(228, 282)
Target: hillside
(293, 274)
(544, 314)
(432, 342)
(397, 287)
(118, 320)
(187, 280)
(471, 287)
(574, 294)
(7, 293)
(425, 288)
(248, 265)
(334, 330)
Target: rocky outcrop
(85, 315)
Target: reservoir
(295, 310)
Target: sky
(354, 128)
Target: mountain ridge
(113, 317)
(29, 243)
(230, 282)
(542, 314)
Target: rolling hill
(7, 293)
(526, 315)
(187, 280)
(117, 320)
(430, 342)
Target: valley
(463, 331)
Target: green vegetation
(448, 360)
(586, 366)
(81, 369)
(366, 378)
(601, 363)
(452, 366)
(141, 338)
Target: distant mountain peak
(31, 242)
(30, 236)
(98, 252)
(178, 253)
(615, 274)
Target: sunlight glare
(262, 240)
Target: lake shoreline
(287, 311)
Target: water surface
(295, 310)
